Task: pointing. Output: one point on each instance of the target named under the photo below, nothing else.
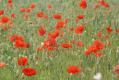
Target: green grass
(56, 68)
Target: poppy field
(59, 39)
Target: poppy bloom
(109, 29)
(94, 48)
(10, 3)
(90, 50)
(1, 12)
(47, 43)
(16, 37)
(21, 44)
(22, 10)
(40, 14)
(79, 17)
(50, 43)
(60, 24)
(66, 45)
(99, 34)
(79, 43)
(32, 5)
(5, 19)
(83, 4)
(79, 29)
(98, 44)
(103, 3)
(66, 20)
(73, 70)
(2, 64)
(19, 41)
(29, 71)
(41, 31)
(57, 16)
(13, 15)
(116, 69)
(54, 35)
(22, 61)
(49, 6)
(117, 30)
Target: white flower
(42, 43)
(98, 76)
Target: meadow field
(59, 39)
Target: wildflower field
(59, 39)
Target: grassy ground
(55, 67)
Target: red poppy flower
(5, 19)
(66, 45)
(99, 34)
(104, 4)
(66, 20)
(41, 31)
(73, 70)
(16, 37)
(40, 14)
(49, 6)
(13, 15)
(22, 10)
(21, 44)
(60, 25)
(79, 43)
(94, 48)
(29, 71)
(90, 50)
(50, 43)
(10, 3)
(32, 5)
(79, 17)
(54, 35)
(83, 4)
(22, 61)
(98, 44)
(19, 41)
(1, 12)
(79, 29)
(117, 30)
(57, 16)
(2, 64)
(109, 29)
(116, 69)
(47, 43)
